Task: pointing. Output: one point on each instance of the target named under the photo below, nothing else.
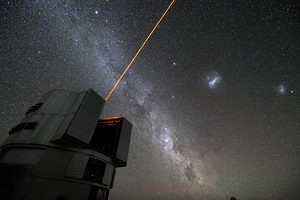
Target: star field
(213, 96)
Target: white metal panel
(49, 189)
(109, 170)
(77, 166)
(22, 136)
(85, 120)
(64, 125)
(77, 103)
(46, 129)
(22, 156)
(58, 103)
(124, 141)
(53, 163)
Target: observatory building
(61, 150)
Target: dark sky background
(213, 97)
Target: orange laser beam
(140, 50)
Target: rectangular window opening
(30, 125)
(94, 170)
(17, 128)
(98, 193)
(106, 135)
(34, 108)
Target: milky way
(213, 97)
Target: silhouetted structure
(232, 198)
(62, 150)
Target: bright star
(96, 12)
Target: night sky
(213, 96)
